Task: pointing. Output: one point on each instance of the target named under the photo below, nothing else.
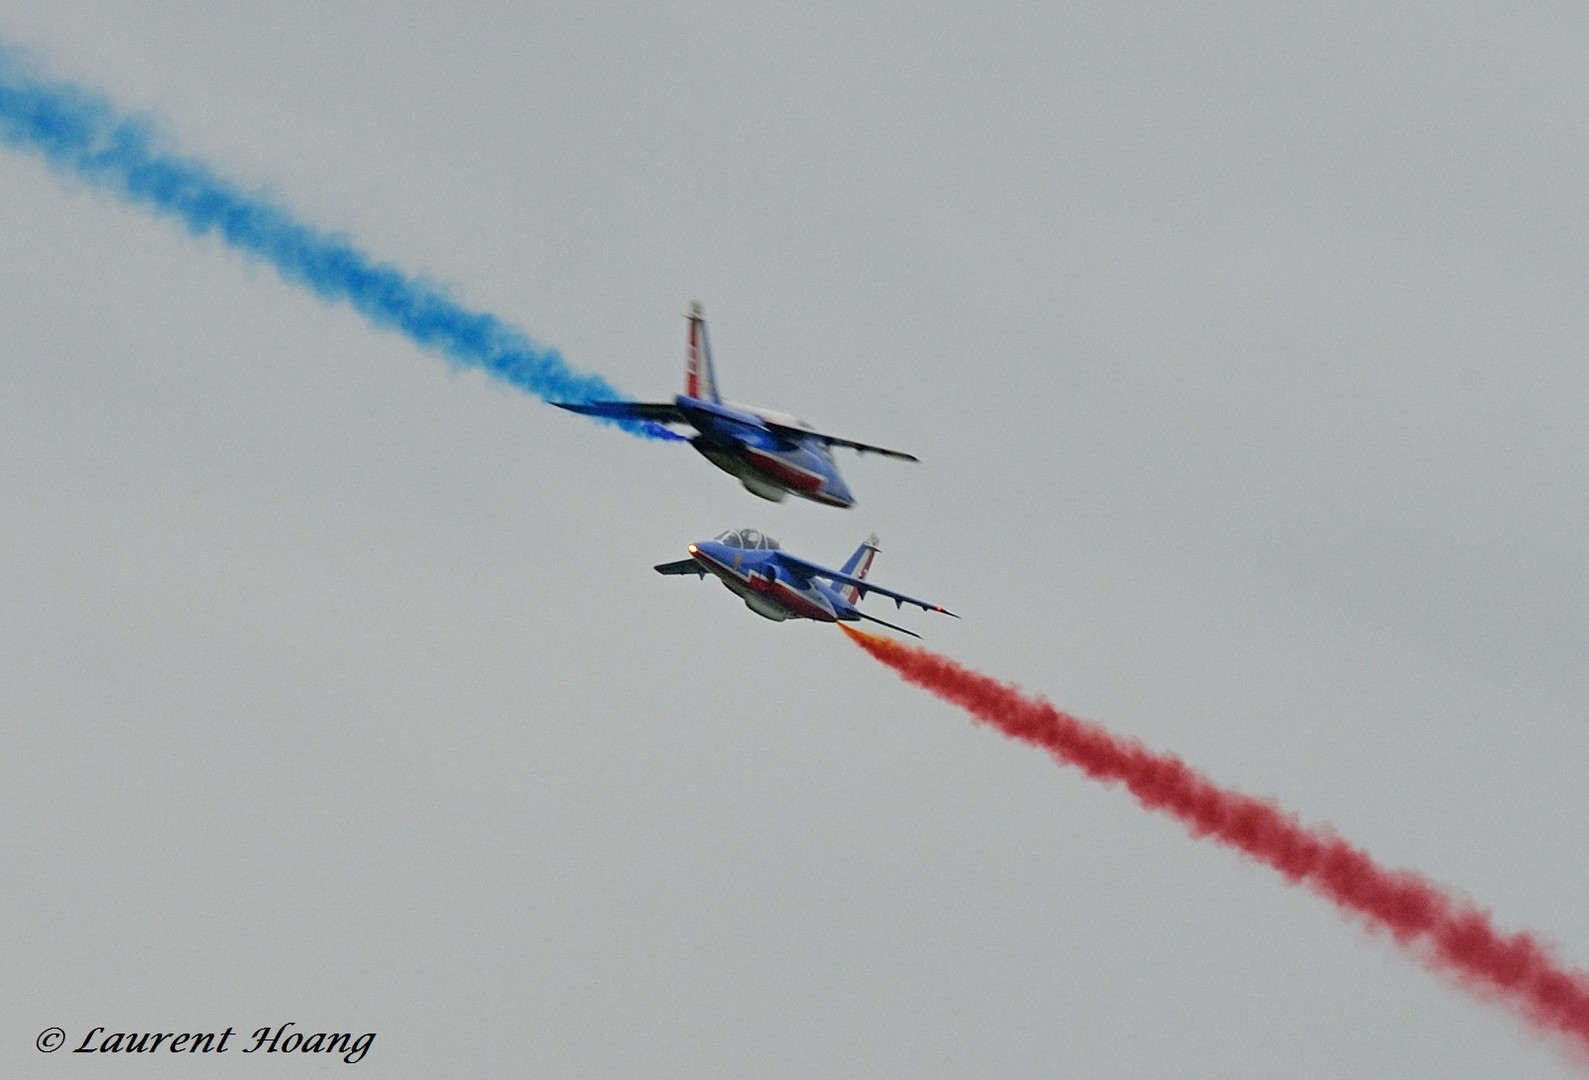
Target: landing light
(693, 549)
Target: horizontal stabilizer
(891, 626)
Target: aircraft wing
(833, 440)
(809, 569)
(656, 412)
(683, 566)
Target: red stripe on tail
(692, 362)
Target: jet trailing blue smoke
(83, 135)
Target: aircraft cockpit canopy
(749, 539)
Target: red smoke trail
(1445, 932)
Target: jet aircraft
(773, 454)
(777, 585)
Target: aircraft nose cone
(708, 550)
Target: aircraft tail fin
(857, 566)
(699, 379)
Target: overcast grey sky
(1243, 348)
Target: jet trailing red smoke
(1445, 932)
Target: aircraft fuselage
(771, 464)
(754, 576)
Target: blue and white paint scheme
(777, 585)
(772, 453)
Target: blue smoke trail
(83, 135)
